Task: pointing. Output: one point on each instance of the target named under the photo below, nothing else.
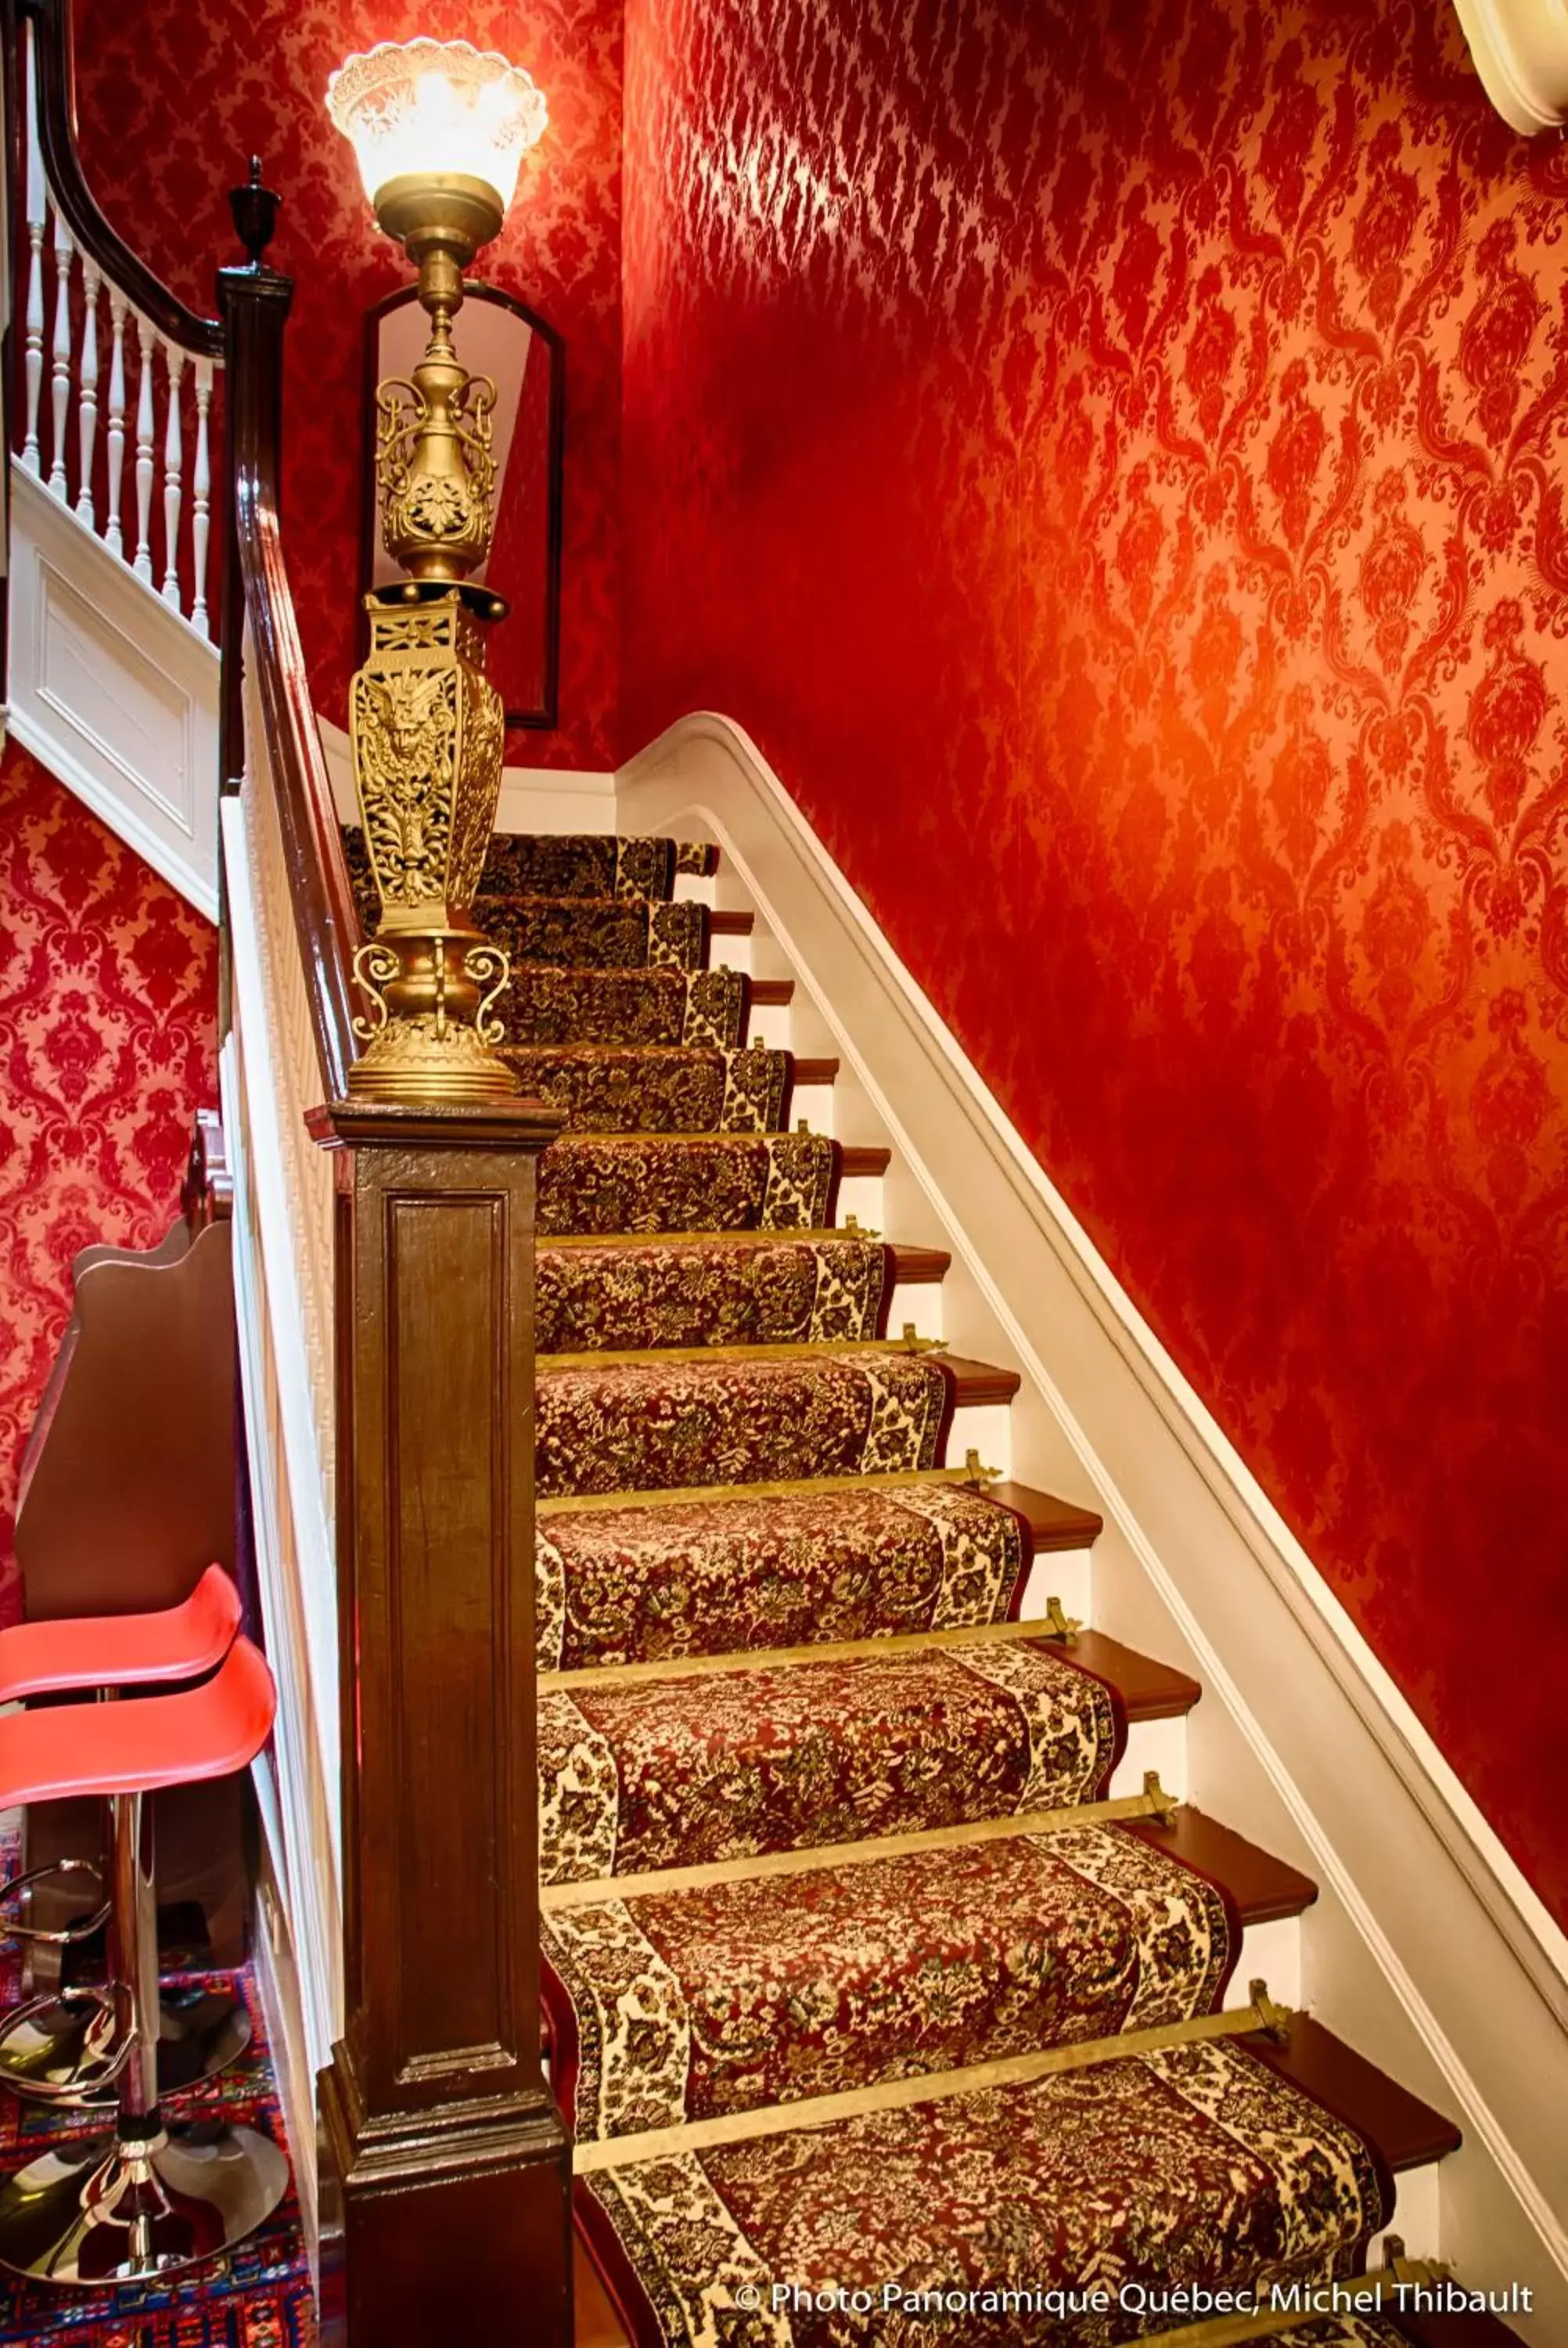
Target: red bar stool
(152, 2197)
(60, 2048)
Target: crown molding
(1521, 52)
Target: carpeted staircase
(877, 1958)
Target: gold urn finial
(439, 129)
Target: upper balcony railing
(124, 434)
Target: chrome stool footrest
(81, 1927)
(69, 2049)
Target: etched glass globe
(436, 109)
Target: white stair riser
(732, 953)
(815, 1103)
(1269, 1952)
(860, 1195)
(1061, 1573)
(985, 1427)
(1160, 1745)
(772, 1024)
(917, 1303)
(1417, 2218)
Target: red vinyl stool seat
(59, 2048)
(153, 2196)
(121, 1650)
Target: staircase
(882, 1954)
(885, 1952)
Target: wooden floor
(598, 2324)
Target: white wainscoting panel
(114, 692)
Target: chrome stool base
(97, 2209)
(60, 2050)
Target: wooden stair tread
(724, 924)
(1406, 2132)
(1263, 1887)
(1053, 1524)
(979, 1382)
(811, 1071)
(1149, 1690)
(857, 1158)
(772, 994)
(911, 1264)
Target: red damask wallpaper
(174, 101)
(1113, 458)
(107, 1010)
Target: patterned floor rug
(257, 2297)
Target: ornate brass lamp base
(427, 732)
(432, 989)
(412, 1060)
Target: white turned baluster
(38, 202)
(201, 489)
(87, 423)
(142, 565)
(61, 373)
(173, 466)
(113, 539)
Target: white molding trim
(114, 692)
(1429, 1949)
(1521, 52)
(533, 799)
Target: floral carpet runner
(812, 1801)
(1195, 2164)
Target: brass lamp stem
(426, 727)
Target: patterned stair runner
(846, 1981)
(1196, 2163)
(711, 1577)
(691, 1765)
(761, 1989)
(817, 1291)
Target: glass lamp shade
(425, 109)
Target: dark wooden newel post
(445, 2170)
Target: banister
(254, 300)
(57, 116)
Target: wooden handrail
(254, 300)
(56, 114)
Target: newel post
(445, 2169)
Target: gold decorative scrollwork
(488, 966)
(405, 728)
(374, 967)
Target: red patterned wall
(1112, 456)
(191, 95)
(107, 1006)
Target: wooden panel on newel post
(445, 2170)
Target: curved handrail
(255, 303)
(55, 103)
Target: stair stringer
(113, 691)
(1426, 1949)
